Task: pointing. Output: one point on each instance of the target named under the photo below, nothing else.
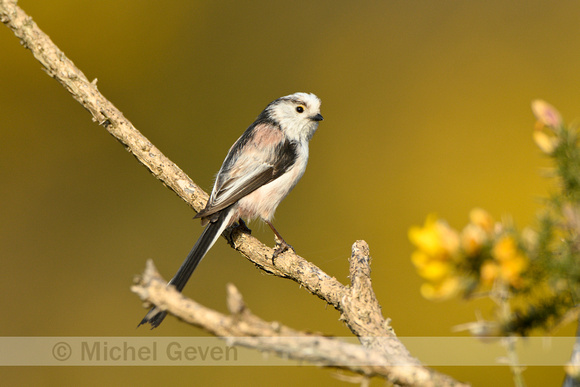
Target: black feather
(201, 247)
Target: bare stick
(243, 328)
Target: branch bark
(382, 356)
(357, 304)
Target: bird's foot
(238, 227)
(242, 226)
(281, 247)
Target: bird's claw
(242, 226)
(281, 247)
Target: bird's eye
(300, 109)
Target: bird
(261, 168)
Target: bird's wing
(260, 156)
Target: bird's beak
(317, 117)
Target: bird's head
(297, 114)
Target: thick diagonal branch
(241, 327)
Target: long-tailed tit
(261, 168)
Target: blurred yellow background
(426, 106)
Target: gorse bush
(532, 274)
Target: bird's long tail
(207, 239)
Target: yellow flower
(512, 262)
(436, 239)
(440, 291)
(505, 249)
(420, 259)
(547, 142)
(482, 218)
(546, 114)
(488, 273)
(436, 271)
(548, 125)
(472, 239)
(437, 249)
